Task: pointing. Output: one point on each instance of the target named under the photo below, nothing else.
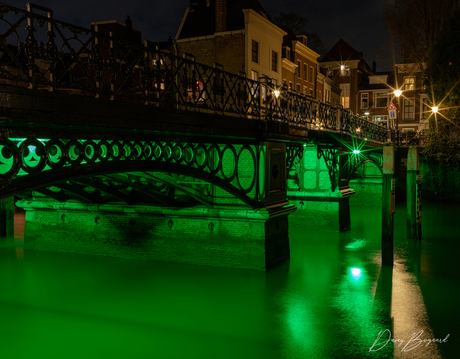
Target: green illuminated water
(330, 300)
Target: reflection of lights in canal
(356, 273)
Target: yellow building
(237, 35)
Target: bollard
(413, 194)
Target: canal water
(332, 299)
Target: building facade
(237, 35)
(347, 68)
(414, 109)
(300, 64)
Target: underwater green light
(356, 272)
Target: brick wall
(217, 241)
(226, 50)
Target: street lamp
(397, 94)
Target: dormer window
(409, 83)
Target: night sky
(358, 22)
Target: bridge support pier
(320, 190)
(7, 217)
(388, 204)
(225, 237)
(413, 195)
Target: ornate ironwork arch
(30, 163)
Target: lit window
(255, 51)
(255, 77)
(195, 92)
(381, 120)
(409, 83)
(299, 64)
(409, 110)
(364, 100)
(311, 92)
(345, 95)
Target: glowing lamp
(434, 109)
(397, 93)
(277, 93)
(356, 152)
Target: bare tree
(416, 24)
(298, 25)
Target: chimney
(374, 66)
(221, 15)
(129, 23)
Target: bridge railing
(40, 52)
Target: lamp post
(397, 94)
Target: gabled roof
(342, 51)
(201, 17)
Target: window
(311, 92)
(305, 72)
(381, 99)
(299, 65)
(320, 96)
(409, 83)
(298, 88)
(290, 86)
(255, 51)
(344, 70)
(274, 61)
(425, 108)
(311, 75)
(345, 95)
(364, 100)
(264, 89)
(195, 92)
(287, 53)
(409, 110)
(381, 120)
(255, 77)
(305, 90)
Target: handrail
(93, 62)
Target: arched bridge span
(133, 171)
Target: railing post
(388, 204)
(51, 49)
(338, 118)
(97, 61)
(30, 47)
(113, 63)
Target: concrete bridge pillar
(7, 217)
(388, 204)
(414, 222)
